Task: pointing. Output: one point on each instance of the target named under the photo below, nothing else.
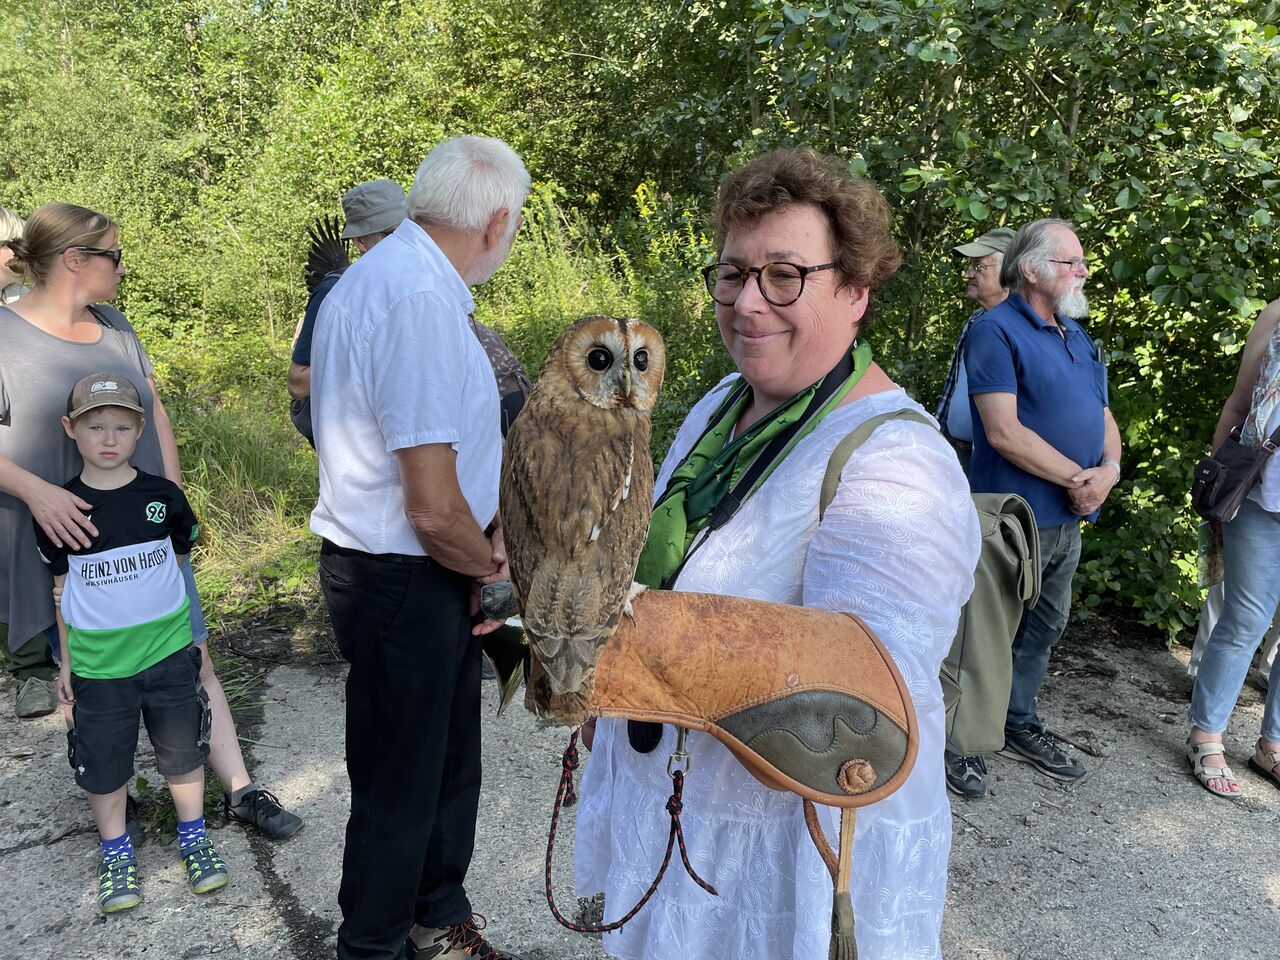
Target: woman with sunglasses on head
(59, 332)
(804, 249)
(11, 287)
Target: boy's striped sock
(114, 848)
(190, 832)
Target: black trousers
(413, 745)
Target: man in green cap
(981, 270)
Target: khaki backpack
(978, 671)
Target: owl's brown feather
(577, 485)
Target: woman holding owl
(804, 248)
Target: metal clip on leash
(678, 764)
(679, 761)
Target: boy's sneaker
(118, 883)
(462, 941)
(262, 809)
(205, 870)
(1037, 749)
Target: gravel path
(1135, 861)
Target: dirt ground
(1134, 861)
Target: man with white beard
(1043, 430)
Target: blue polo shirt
(1061, 388)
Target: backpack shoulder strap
(845, 448)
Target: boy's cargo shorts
(171, 701)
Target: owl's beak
(626, 380)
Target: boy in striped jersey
(126, 638)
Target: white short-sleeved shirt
(395, 365)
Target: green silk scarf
(706, 479)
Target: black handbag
(1221, 482)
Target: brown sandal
(1264, 763)
(1196, 752)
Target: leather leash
(676, 767)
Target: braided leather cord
(675, 805)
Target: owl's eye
(641, 360)
(599, 359)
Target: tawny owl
(577, 486)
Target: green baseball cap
(993, 241)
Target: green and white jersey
(124, 601)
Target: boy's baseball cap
(993, 241)
(102, 390)
(374, 207)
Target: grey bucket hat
(374, 207)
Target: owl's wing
(561, 489)
(575, 508)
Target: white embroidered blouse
(897, 546)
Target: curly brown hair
(858, 216)
(50, 230)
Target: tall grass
(252, 480)
(644, 265)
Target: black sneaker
(131, 824)
(262, 809)
(965, 775)
(1037, 749)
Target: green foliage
(1145, 123)
(1145, 566)
(643, 265)
(215, 130)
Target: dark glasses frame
(112, 255)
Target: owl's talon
(632, 592)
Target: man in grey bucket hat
(373, 210)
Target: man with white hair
(1042, 429)
(409, 449)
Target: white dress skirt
(897, 546)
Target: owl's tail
(563, 709)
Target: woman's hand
(62, 515)
(65, 696)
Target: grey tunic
(37, 371)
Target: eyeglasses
(112, 255)
(1075, 263)
(780, 283)
(978, 267)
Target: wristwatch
(1115, 464)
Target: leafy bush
(644, 265)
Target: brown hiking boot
(462, 941)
